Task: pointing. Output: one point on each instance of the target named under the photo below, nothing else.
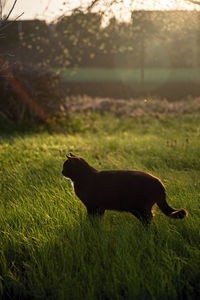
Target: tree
(194, 2)
(4, 24)
(3, 20)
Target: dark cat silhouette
(121, 190)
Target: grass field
(50, 250)
(152, 75)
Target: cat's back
(127, 178)
(119, 187)
(125, 175)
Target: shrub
(29, 94)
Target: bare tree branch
(10, 11)
(194, 2)
(94, 2)
(2, 22)
(47, 6)
(6, 25)
(0, 11)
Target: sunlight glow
(162, 5)
(52, 9)
(123, 10)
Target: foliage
(39, 53)
(49, 250)
(80, 40)
(29, 95)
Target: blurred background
(59, 51)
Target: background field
(49, 250)
(132, 75)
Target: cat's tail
(169, 211)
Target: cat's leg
(144, 216)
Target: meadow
(153, 75)
(49, 248)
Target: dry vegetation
(133, 107)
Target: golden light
(160, 5)
(122, 10)
(51, 9)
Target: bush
(28, 93)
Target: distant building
(13, 29)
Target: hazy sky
(49, 9)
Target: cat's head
(74, 166)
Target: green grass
(152, 75)
(50, 250)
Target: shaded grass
(154, 75)
(50, 250)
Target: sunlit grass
(49, 250)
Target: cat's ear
(72, 155)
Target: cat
(122, 190)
